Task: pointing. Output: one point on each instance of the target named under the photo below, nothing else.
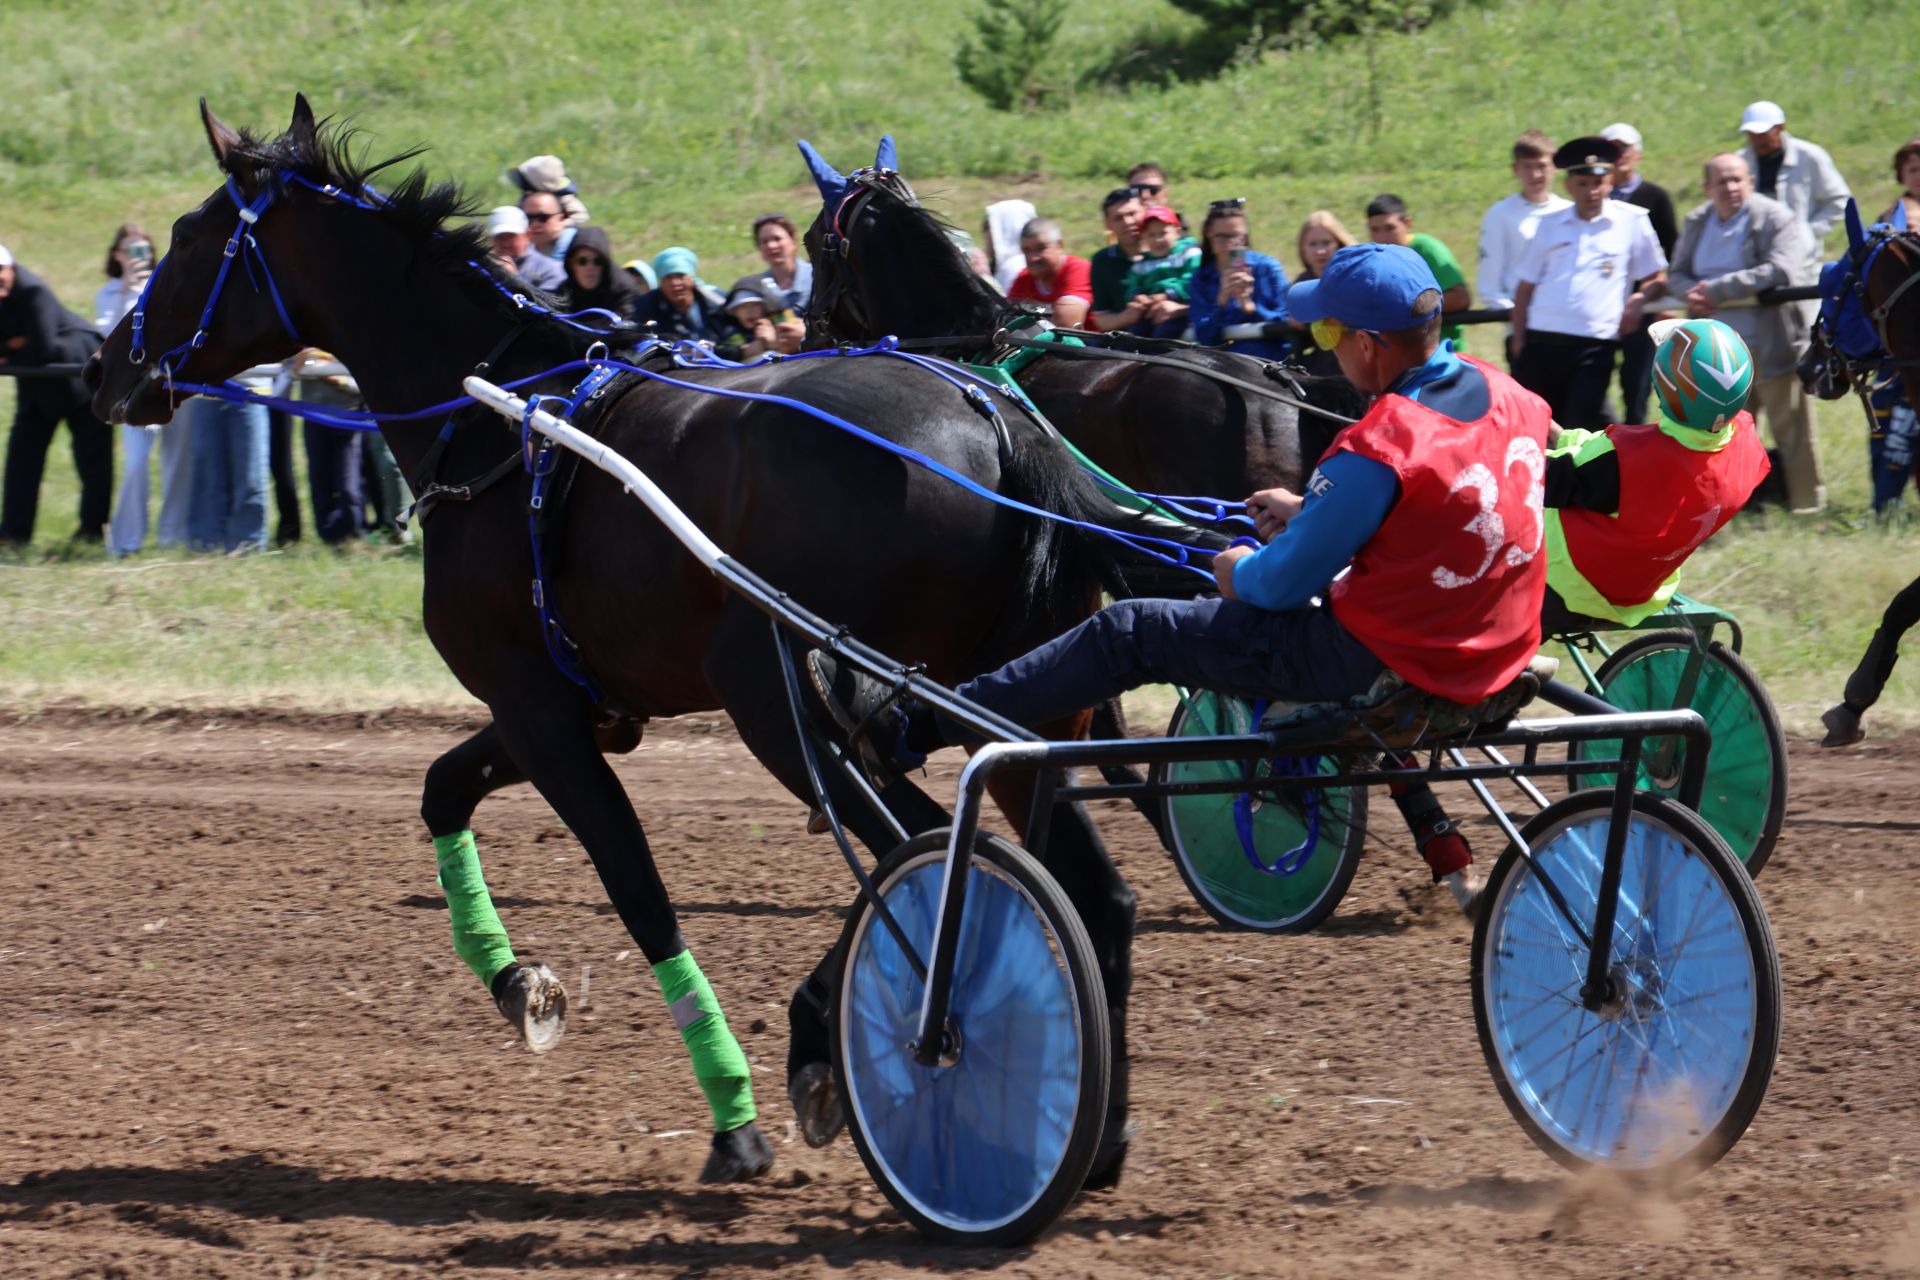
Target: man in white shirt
(1793, 171)
(1582, 282)
(1508, 226)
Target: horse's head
(1869, 318)
(213, 306)
(882, 263)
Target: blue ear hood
(885, 158)
(1856, 234)
(833, 186)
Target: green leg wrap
(718, 1064)
(478, 936)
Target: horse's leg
(1076, 857)
(547, 734)
(743, 668)
(1876, 665)
(527, 993)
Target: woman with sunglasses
(592, 281)
(1235, 286)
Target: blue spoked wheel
(1668, 1072)
(988, 1146)
(1203, 833)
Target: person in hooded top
(593, 281)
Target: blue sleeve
(1347, 499)
(1205, 313)
(1270, 290)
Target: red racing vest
(1447, 591)
(1672, 499)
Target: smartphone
(140, 252)
(1237, 256)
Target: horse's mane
(416, 206)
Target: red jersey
(1074, 279)
(1447, 591)
(1672, 499)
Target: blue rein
(243, 245)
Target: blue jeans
(228, 510)
(128, 529)
(1301, 655)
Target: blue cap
(1365, 286)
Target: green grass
(679, 122)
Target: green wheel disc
(1207, 850)
(1746, 793)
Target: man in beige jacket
(1731, 249)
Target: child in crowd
(1165, 269)
(763, 321)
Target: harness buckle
(539, 595)
(233, 246)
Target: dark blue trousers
(1301, 655)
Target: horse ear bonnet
(1856, 234)
(885, 157)
(833, 186)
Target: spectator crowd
(1584, 274)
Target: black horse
(1869, 323)
(911, 563)
(884, 264)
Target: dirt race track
(241, 1045)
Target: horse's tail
(1063, 567)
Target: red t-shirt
(1074, 279)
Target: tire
(1206, 847)
(1748, 759)
(1677, 1070)
(988, 1148)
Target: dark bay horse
(885, 264)
(297, 249)
(1869, 327)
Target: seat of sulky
(1396, 715)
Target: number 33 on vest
(1528, 489)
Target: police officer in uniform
(1582, 283)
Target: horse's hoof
(534, 1001)
(816, 1104)
(1111, 1158)
(1843, 726)
(738, 1155)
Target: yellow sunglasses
(1329, 333)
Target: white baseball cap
(1762, 116)
(507, 220)
(6, 259)
(1624, 134)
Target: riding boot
(1434, 835)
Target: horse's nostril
(94, 374)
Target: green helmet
(1702, 372)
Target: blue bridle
(242, 245)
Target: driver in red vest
(1431, 504)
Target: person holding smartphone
(129, 263)
(1236, 287)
